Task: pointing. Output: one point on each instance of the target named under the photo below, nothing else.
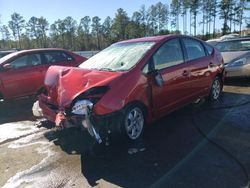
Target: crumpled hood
(65, 83)
(231, 56)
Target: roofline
(42, 49)
(234, 39)
(157, 39)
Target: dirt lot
(203, 145)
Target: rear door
(24, 78)
(169, 62)
(199, 63)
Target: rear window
(194, 49)
(209, 48)
(57, 57)
(235, 45)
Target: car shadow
(167, 142)
(242, 82)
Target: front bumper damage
(81, 115)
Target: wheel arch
(221, 76)
(140, 104)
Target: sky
(77, 9)
(59, 9)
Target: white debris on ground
(30, 176)
(48, 170)
(17, 129)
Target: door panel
(168, 61)
(175, 91)
(200, 75)
(24, 78)
(198, 62)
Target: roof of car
(235, 39)
(154, 38)
(7, 51)
(37, 50)
(11, 55)
(40, 49)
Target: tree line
(180, 16)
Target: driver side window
(26, 61)
(168, 55)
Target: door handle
(185, 73)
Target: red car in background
(22, 73)
(131, 83)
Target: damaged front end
(83, 108)
(79, 114)
(70, 97)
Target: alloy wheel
(216, 89)
(134, 123)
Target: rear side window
(57, 57)
(210, 49)
(169, 54)
(194, 49)
(26, 61)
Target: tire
(216, 88)
(132, 122)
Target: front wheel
(132, 123)
(216, 89)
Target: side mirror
(158, 79)
(7, 66)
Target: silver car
(236, 55)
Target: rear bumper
(239, 71)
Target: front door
(169, 62)
(24, 77)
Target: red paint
(27, 81)
(64, 84)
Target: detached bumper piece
(81, 113)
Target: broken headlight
(81, 106)
(88, 99)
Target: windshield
(118, 57)
(236, 45)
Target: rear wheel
(216, 89)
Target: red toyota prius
(131, 83)
(22, 73)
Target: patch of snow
(32, 175)
(17, 129)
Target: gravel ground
(203, 145)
